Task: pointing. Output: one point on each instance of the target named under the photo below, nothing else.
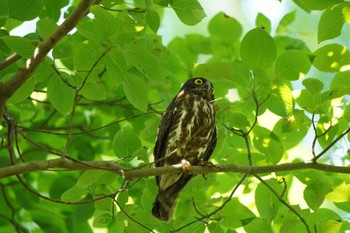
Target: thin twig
(9, 61)
(331, 145)
(216, 210)
(280, 199)
(131, 218)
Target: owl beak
(208, 87)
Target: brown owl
(187, 135)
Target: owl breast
(192, 129)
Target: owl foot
(185, 166)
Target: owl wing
(162, 136)
(211, 147)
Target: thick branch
(8, 88)
(131, 173)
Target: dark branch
(8, 88)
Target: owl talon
(185, 166)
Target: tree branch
(8, 88)
(131, 173)
(9, 61)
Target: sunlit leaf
(292, 64)
(153, 20)
(266, 202)
(263, 22)
(313, 85)
(341, 83)
(285, 21)
(319, 4)
(226, 28)
(190, 12)
(331, 57)
(332, 21)
(258, 49)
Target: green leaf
(136, 91)
(262, 21)
(340, 193)
(292, 64)
(218, 71)
(285, 21)
(237, 120)
(52, 9)
(331, 57)
(236, 214)
(332, 21)
(108, 28)
(329, 226)
(20, 45)
(116, 67)
(181, 48)
(258, 225)
(315, 86)
(190, 12)
(308, 101)
(94, 90)
(25, 10)
(23, 92)
(225, 28)
(292, 129)
(75, 194)
(126, 142)
(4, 9)
(45, 26)
(266, 202)
(315, 193)
(341, 83)
(268, 143)
(319, 4)
(346, 112)
(327, 130)
(60, 94)
(198, 44)
(280, 101)
(258, 49)
(86, 55)
(89, 178)
(102, 218)
(145, 61)
(153, 20)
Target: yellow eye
(198, 81)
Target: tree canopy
(81, 98)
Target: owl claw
(185, 166)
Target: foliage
(99, 94)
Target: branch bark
(8, 88)
(131, 173)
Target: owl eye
(198, 81)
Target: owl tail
(163, 206)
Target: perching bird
(186, 135)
